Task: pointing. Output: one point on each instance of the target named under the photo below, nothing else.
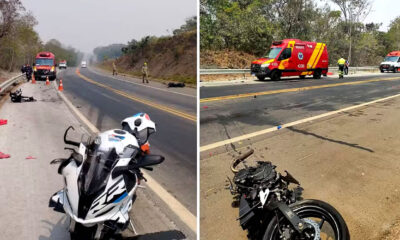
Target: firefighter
(341, 62)
(28, 72)
(145, 72)
(114, 68)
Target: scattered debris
(30, 157)
(172, 84)
(205, 107)
(3, 121)
(279, 127)
(3, 155)
(17, 97)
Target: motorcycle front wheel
(324, 222)
(83, 233)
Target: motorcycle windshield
(96, 170)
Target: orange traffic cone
(47, 81)
(33, 79)
(60, 87)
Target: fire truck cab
(391, 63)
(45, 66)
(292, 57)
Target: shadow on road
(57, 231)
(354, 145)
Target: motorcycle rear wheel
(314, 209)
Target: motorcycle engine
(263, 172)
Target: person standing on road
(114, 68)
(341, 63)
(28, 72)
(145, 72)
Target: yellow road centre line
(243, 95)
(273, 129)
(151, 104)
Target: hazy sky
(86, 24)
(383, 11)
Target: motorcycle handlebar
(69, 141)
(240, 159)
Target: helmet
(140, 126)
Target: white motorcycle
(101, 179)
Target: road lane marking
(273, 129)
(178, 208)
(243, 95)
(143, 85)
(136, 99)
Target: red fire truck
(292, 57)
(391, 62)
(45, 66)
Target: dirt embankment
(170, 58)
(225, 59)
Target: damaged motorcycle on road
(101, 179)
(270, 210)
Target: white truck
(391, 63)
(83, 64)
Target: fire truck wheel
(275, 75)
(302, 76)
(382, 71)
(395, 70)
(261, 78)
(317, 74)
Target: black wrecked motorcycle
(270, 210)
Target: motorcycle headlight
(265, 65)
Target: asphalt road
(175, 137)
(282, 102)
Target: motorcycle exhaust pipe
(240, 159)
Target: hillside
(169, 58)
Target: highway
(175, 137)
(230, 111)
(348, 158)
(165, 209)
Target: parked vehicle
(391, 63)
(102, 177)
(62, 64)
(270, 210)
(45, 66)
(83, 64)
(292, 57)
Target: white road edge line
(160, 89)
(181, 211)
(272, 129)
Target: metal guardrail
(9, 82)
(244, 71)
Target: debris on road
(172, 84)
(30, 157)
(17, 97)
(3, 155)
(3, 121)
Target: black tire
(395, 70)
(302, 76)
(317, 74)
(83, 233)
(261, 78)
(311, 208)
(275, 75)
(382, 71)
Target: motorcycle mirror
(86, 139)
(57, 160)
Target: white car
(83, 64)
